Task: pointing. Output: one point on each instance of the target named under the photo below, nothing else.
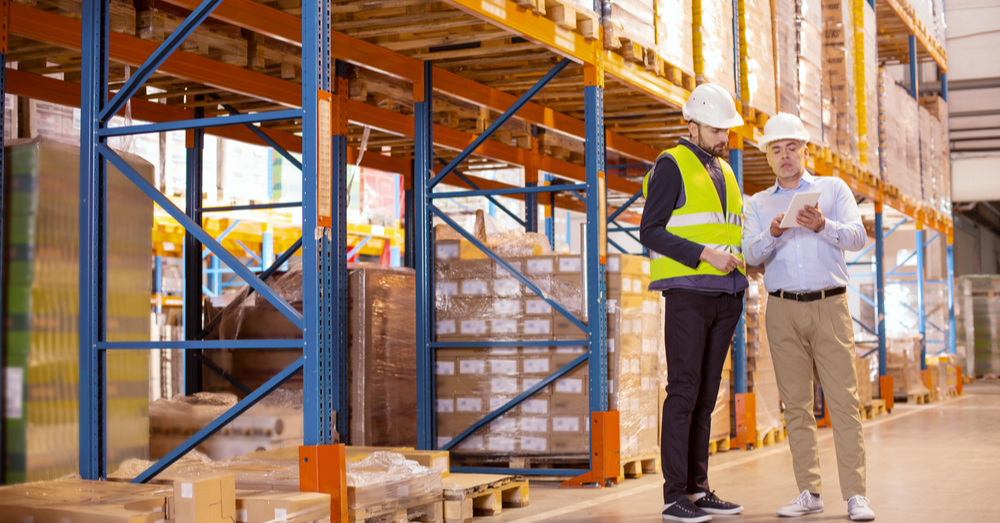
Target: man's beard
(707, 148)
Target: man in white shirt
(807, 318)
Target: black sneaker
(686, 512)
(711, 504)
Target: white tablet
(799, 201)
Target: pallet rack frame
(323, 260)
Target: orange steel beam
(283, 26)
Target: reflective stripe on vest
(702, 219)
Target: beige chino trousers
(820, 331)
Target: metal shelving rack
(323, 106)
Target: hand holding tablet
(799, 201)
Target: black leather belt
(809, 296)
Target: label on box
(13, 407)
(539, 265)
(504, 425)
(535, 350)
(570, 385)
(535, 407)
(652, 420)
(504, 327)
(280, 514)
(503, 351)
(446, 251)
(645, 383)
(444, 327)
(475, 287)
(614, 264)
(637, 326)
(537, 326)
(536, 365)
(445, 368)
(645, 266)
(442, 441)
(626, 284)
(472, 366)
(635, 366)
(537, 306)
(241, 514)
(445, 405)
(446, 288)
(506, 287)
(611, 345)
(534, 425)
(626, 328)
(503, 366)
(634, 404)
(469, 404)
(504, 385)
(612, 306)
(473, 443)
(575, 349)
(502, 444)
(473, 327)
(637, 286)
(569, 264)
(529, 443)
(565, 424)
(528, 383)
(507, 307)
(187, 490)
(643, 423)
(647, 346)
(611, 387)
(497, 401)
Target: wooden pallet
(428, 510)
(877, 408)
(719, 445)
(916, 399)
(566, 15)
(615, 40)
(633, 468)
(770, 437)
(473, 495)
(674, 75)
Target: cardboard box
(467, 269)
(287, 507)
(562, 326)
(540, 265)
(205, 499)
(569, 264)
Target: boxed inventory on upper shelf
(813, 106)
(977, 322)
(841, 124)
(713, 42)
(757, 69)
(786, 70)
(673, 33)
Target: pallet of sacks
(903, 364)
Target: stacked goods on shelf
(927, 163)
(41, 257)
(863, 366)
(903, 364)
(786, 70)
(870, 69)
(761, 380)
(381, 353)
(839, 79)
(712, 22)
(937, 174)
(809, 34)
(673, 34)
(635, 351)
(379, 485)
(902, 124)
(757, 71)
(977, 323)
(629, 27)
(275, 421)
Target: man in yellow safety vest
(692, 225)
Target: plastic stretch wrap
(383, 379)
(871, 90)
(722, 414)
(903, 364)
(389, 478)
(629, 20)
(757, 71)
(713, 43)
(863, 367)
(673, 34)
(977, 320)
(76, 500)
(786, 74)
(935, 153)
(809, 33)
(275, 420)
(765, 383)
(838, 79)
(903, 144)
(41, 297)
(251, 472)
(927, 164)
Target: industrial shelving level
(443, 88)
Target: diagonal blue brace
(249, 252)
(511, 190)
(619, 228)
(263, 136)
(490, 198)
(158, 57)
(506, 407)
(225, 233)
(872, 246)
(616, 246)
(625, 206)
(195, 229)
(253, 206)
(202, 123)
(896, 268)
(503, 263)
(929, 322)
(867, 300)
(507, 115)
(221, 421)
(865, 327)
(930, 241)
(357, 248)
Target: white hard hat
(711, 105)
(783, 126)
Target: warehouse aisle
(928, 463)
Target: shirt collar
(807, 179)
(703, 156)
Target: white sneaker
(858, 509)
(806, 503)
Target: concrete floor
(928, 463)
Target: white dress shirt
(801, 260)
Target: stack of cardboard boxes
(712, 23)
(809, 34)
(839, 79)
(757, 69)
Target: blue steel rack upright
(323, 319)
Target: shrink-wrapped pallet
(674, 42)
(712, 21)
(809, 30)
(41, 262)
(871, 92)
(839, 79)
(903, 364)
(629, 21)
(902, 129)
(757, 69)
(786, 70)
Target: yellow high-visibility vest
(701, 219)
